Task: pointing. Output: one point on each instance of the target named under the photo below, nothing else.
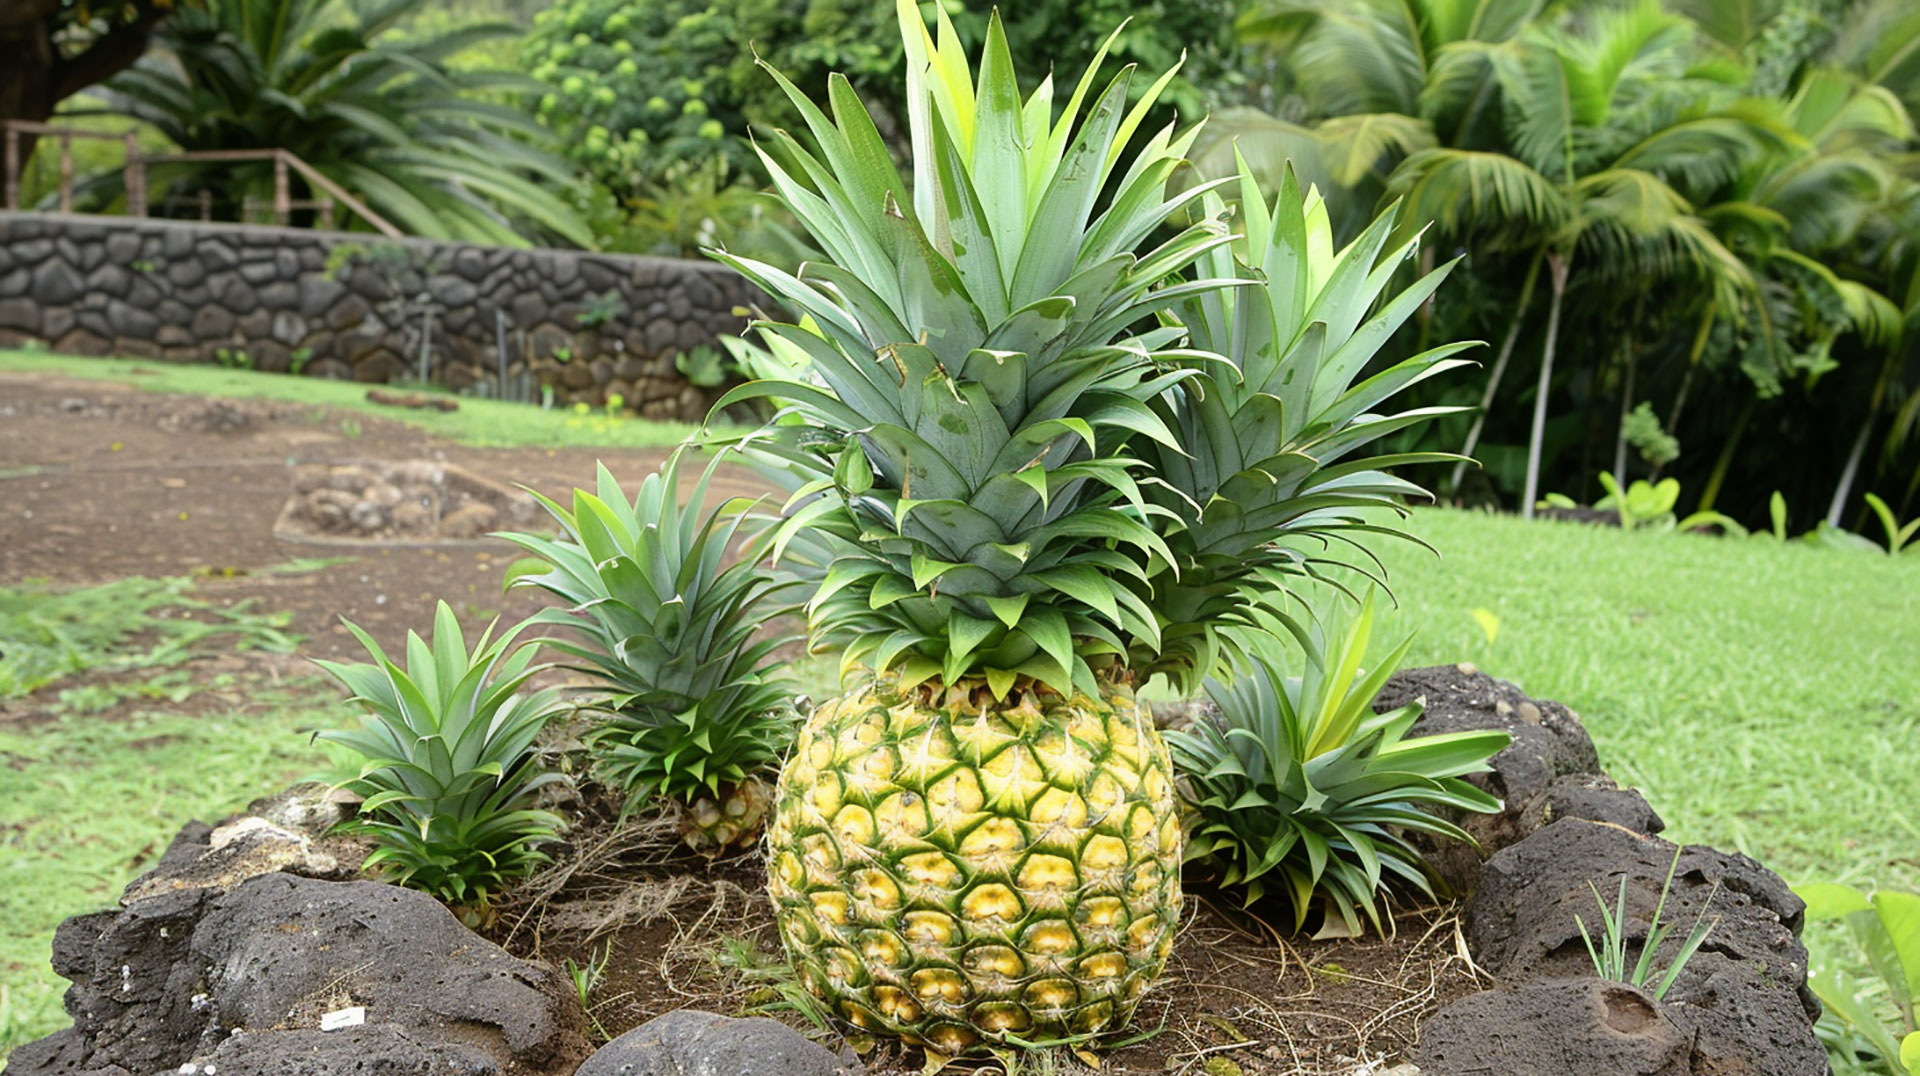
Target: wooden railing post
(66, 171)
(282, 198)
(135, 171)
(13, 167)
(206, 204)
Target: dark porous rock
(690, 1041)
(1743, 996)
(1548, 743)
(63, 1053)
(1560, 1028)
(373, 1049)
(1595, 798)
(241, 980)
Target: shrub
(1856, 1026)
(450, 778)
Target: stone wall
(353, 306)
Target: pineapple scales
(948, 865)
(978, 841)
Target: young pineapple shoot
(1303, 794)
(449, 778)
(669, 621)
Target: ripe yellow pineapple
(948, 864)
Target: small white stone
(351, 1016)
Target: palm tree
(439, 151)
(1577, 142)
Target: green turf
(479, 421)
(1765, 696)
(101, 770)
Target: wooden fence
(285, 166)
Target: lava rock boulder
(1742, 997)
(695, 1043)
(240, 980)
(1586, 1026)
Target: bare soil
(99, 482)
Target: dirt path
(99, 481)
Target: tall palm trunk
(1719, 476)
(1626, 410)
(1499, 368)
(1557, 265)
(1686, 379)
(1847, 474)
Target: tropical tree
(438, 151)
(1531, 138)
(56, 48)
(1823, 217)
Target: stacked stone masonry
(350, 306)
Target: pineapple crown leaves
(1262, 489)
(970, 342)
(670, 628)
(1303, 791)
(447, 771)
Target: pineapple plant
(693, 715)
(449, 781)
(1302, 792)
(978, 841)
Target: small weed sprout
(1610, 956)
(586, 981)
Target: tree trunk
(1720, 466)
(1499, 368)
(1557, 265)
(36, 76)
(1848, 474)
(1626, 408)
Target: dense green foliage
(434, 149)
(1870, 1022)
(1717, 198)
(670, 630)
(657, 101)
(445, 761)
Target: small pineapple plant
(1302, 793)
(694, 716)
(449, 779)
(978, 841)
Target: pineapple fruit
(949, 865)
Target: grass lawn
(1765, 696)
(100, 770)
(479, 421)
